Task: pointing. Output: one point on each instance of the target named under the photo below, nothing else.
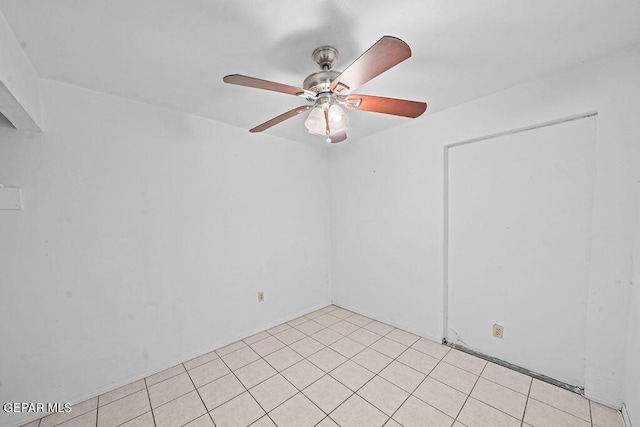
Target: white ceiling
(174, 53)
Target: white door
(519, 235)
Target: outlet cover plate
(498, 331)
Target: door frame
(445, 204)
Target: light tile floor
(333, 367)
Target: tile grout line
(374, 373)
(526, 402)
(153, 417)
(267, 354)
(120, 398)
(485, 403)
(245, 388)
(528, 396)
(173, 376)
(72, 418)
(498, 409)
(466, 370)
(168, 401)
(300, 391)
(286, 379)
(327, 415)
(471, 391)
(139, 416)
(226, 401)
(377, 374)
(217, 378)
(197, 366)
(561, 410)
(200, 396)
(324, 373)
(423, 380)
(159, 382)
(507, 387)
(389, 417)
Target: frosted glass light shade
(315, 121)
(317, 125)
(338, 119)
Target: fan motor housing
(320, 81)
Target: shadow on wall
(5, 123)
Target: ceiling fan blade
(281, 118)
(238, 79)
(378, 104)
(338, 137)
(384, 54)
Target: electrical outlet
(261, 296)
(498, 331)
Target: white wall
(519, 227)
(632, 371)
(387, 205)
(145, 237)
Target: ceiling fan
(328, 91)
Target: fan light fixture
(327, 91)
(326, 120)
